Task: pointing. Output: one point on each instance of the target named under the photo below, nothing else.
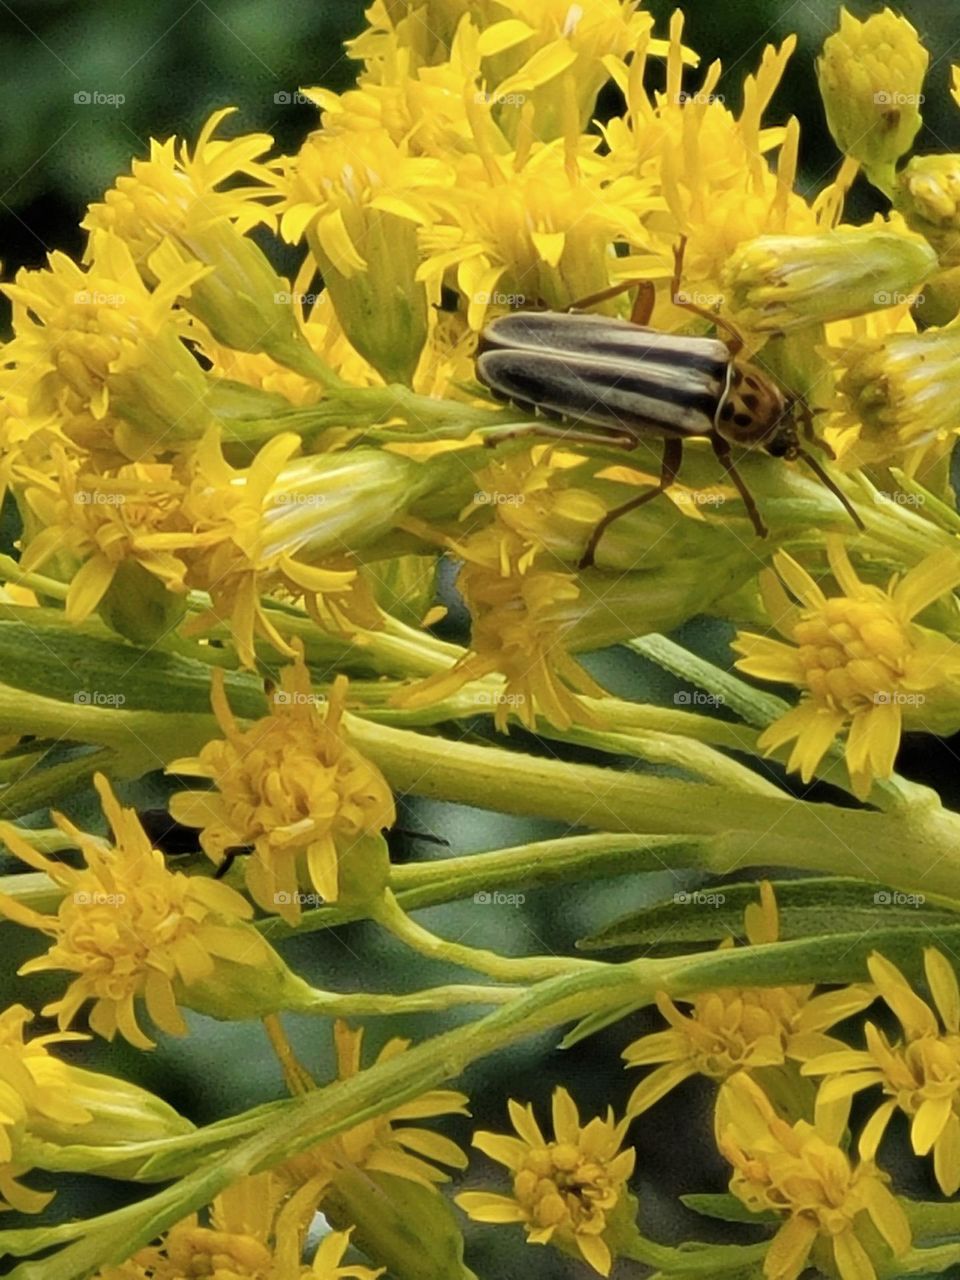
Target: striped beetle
(632, 382)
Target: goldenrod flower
(358, 200)
(129, 929)
(740, 1028)
(898, 394)
(708, 166)
(328, 1261)
(871, 75)
(928, 196)
(863, 664)
(106, 521)
(520, 616)
(175, 192)
(238, 1241)
(524, 230)
(231, 555)
(566, 1189)
(292, 788)
(800, 1173)
(779, 283)
(919, 1073)
(98, 341)
(383, 1144)
(553, 53)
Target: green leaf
(727, 1208)
(808, 907)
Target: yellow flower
(898, 394)
(530, 230)
(231, 556)
(707, 166)
(564, 1190)
(870, 76)
(128, 928)
(98, 341)
(928, 195)
(328, 1261)
(240, 1239)
(740, 1029)
(802, 1174)
(357, 197)
(919, 1074)
(384, 1144)
(106, 521)
(864, 665)
(175, 192)
(520, 616)
(290, 787)
(552, 54)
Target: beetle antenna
(832, 485)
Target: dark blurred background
(173, 62)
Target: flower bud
(253, 984)
(903, 390)
(928, 196)
(870, 75)
(779, 283)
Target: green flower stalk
(871, 75)
(776, 284)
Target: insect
(632, 382)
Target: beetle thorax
(753, 410)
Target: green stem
(368, 1004)
(910, 848)
(391, 915)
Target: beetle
(632, 382)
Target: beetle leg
(722, 450)
(735, 338)
(642, 308)
(670, 465)
(571, 434)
